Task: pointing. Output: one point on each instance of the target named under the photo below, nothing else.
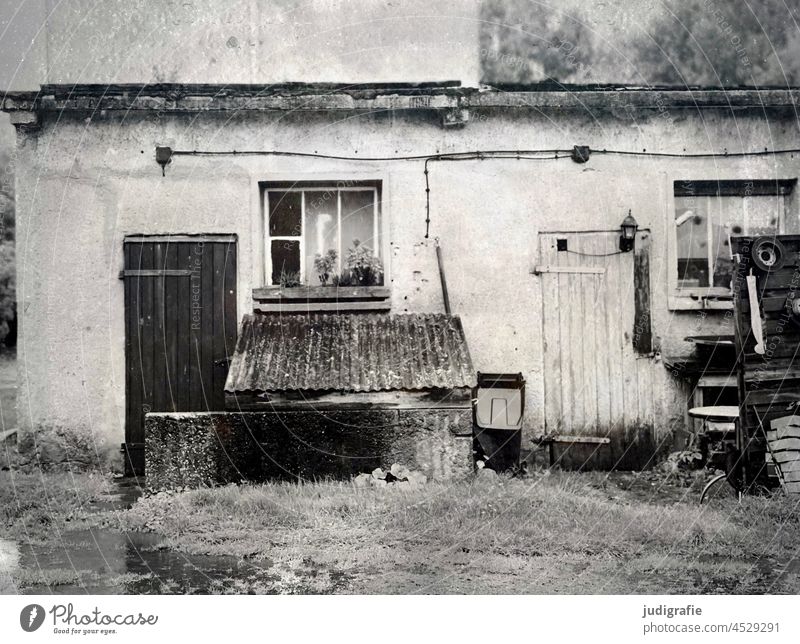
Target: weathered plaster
(84, 183)
(251, 41)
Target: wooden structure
(180, 328)
(766, 289)
(597, 333)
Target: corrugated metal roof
(359, 352)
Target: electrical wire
(480, 155)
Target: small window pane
(284, 214)
(321, 232)
(358, 211)
(692, 236)
(285, 259)
(762, 215)
(722, 217)
(727, 218)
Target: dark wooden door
(180, 328)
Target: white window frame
(268, 239)
(706, 297)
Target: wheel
(768, 254)
(718, 488)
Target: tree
(8, 283)
(675, 42)
(525, 42)
(722, 43)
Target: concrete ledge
(207, 449)
(445, 96)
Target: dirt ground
(545, 534)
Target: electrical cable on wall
(164, 156)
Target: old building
(530, 232)
(159, 219)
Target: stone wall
(203, 449)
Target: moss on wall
(197, 449)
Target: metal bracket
(455, 117)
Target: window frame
(320, 186)
(716, 297)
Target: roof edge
(438, 95)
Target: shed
(328, 395)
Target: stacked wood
(784, 445)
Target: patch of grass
(50, 577)
(35, 507)
(508, 536)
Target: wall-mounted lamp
(627, 236)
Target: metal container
(498, 409)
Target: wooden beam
(340, 306)
(590, 440)
(588, 270)
(328, 293)
(642, 321)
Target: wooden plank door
(180, 328)
(596, 382)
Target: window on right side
(708, 213)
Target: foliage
(7, 213)
(290, 279)
(8, 288)
(707, 42)
(325, 265)
(527, 42)
(363, 267)
(675, 42)
(8, 291)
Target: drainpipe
(443, 279)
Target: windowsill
(279, 299)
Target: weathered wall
(216, 448)
(255, 41)
(84, 184)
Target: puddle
(104, 561)
(9, 563)
(101, 561)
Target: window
(309, 221)
(708, 213)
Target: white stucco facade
(86, 180)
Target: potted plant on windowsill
(325, 265)
(359, 287)
(363, 268)
(290, 279)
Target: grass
(559, 533)
(36, 507)
(563, 533)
